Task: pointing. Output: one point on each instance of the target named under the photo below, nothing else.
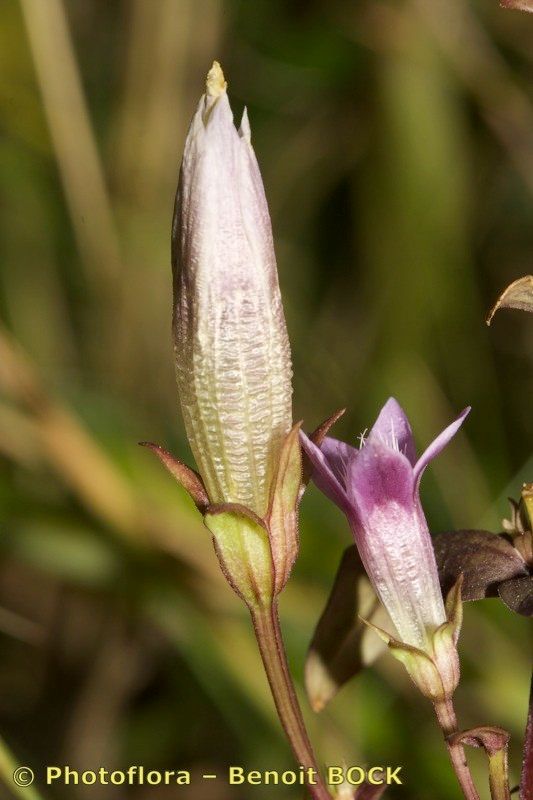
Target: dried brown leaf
(519, 294)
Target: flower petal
(392, 428)
(338, 455)
(380, 476)
(324, 475)
(438, 444)
(394, 542)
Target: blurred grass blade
(73, 138)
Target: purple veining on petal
(392, 428)
(438, 444)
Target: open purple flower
(377, 487)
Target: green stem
(8, 769)
(269, 639)
(448, 723)
(499, 775)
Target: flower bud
(231, 347)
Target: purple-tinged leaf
(495, 742)
(342, 645)
(491, 739)
(484, 559)
(517, 594)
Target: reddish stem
(526, 780)
(448, 723)
(269, 639)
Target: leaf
(491, 738)
(342, 645)
(517, 594)
(519, 294)
(485, 559)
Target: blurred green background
(396, 144)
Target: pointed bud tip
(245, 130)
(215, 84)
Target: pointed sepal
(185, 476)
(420, 666)
(282, 516)
(242, 545)
(444, 641)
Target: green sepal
(454, 608)
(242, 545)
(527, 500)
(282, 516)
(444, 640)
(420, 666)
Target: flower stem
(499, 775)
(448, 723)
(269, 639)
(526, 781)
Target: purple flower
(377, 487)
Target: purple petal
(324, 476)
(394, 542)
(392, 429)
(439, 444)
(338, 455)
(380, 476)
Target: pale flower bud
(231, 347)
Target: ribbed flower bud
(231, 347)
